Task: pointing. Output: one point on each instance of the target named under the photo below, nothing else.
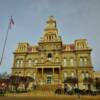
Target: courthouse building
(51, 61)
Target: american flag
(11, 22)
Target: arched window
(83, 74)
(65, 62)
(81, 62)
(42, 60)
(21, 63)
(35, 61)
(65, 75)
(71, 62)
(18, 63)
(87, 74)
(72, 74)
(57, 60)
(29, 62)
(19, 74)
(79, 46)
(28, 74)
(16, 73)
(50, 38)
(49, 56)
(85, 61)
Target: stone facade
(51, 61)
(96, 74)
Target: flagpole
(4, 44)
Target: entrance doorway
(49, 79)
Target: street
(49, 98)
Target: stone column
(42, 72)
(42, 76)
(53, 75)
(53, 71)
(59, 74)
(36, 77)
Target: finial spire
(51, 19)
(51, 23)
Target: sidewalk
(33, 93)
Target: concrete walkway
(33, 93)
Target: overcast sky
(75, 19)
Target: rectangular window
(49, 79)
